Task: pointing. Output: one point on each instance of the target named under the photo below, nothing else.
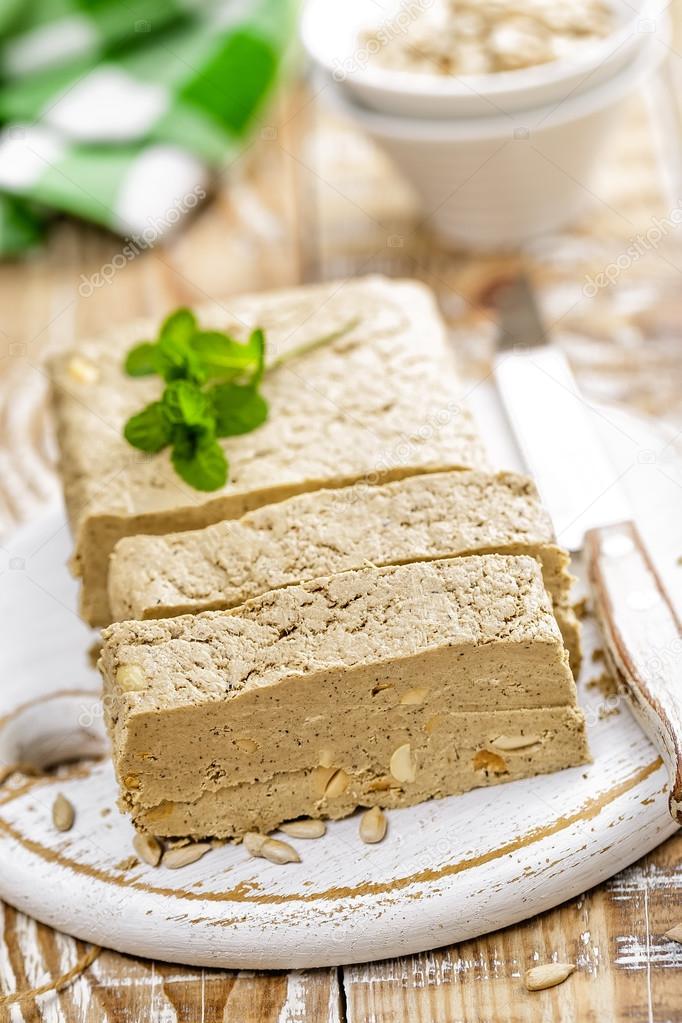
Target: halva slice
(373, 687)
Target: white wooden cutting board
(448, 870)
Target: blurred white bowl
(331, 30)
(493, 182)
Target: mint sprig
(212, 391)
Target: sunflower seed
(380, 687)
(63, 813)
(184, 855)
(373, 824)
(270, 848)
(675, 933)
(337, 784)
(82, 371)
(321, 777)
(254, 841)
(547, 975)
(130, 678)
(512, 742)
(402, 765)
(307, 827)
(279, 852)
(148, 849)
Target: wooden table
(310, 199)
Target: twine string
(59, 983)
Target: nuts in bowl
(474, 58)
(475, 37)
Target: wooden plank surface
(312, 199)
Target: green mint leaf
(172, 359)
(141, 360)
(179, 327)
(199, 461)
(237, 408)
(185, 402)
(257, 342)
(150, 429)
(222, 356)
(176, 360)
(190, 414)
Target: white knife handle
(644, 640)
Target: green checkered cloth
(117, 111)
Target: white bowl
(493, 182)
(331, 28)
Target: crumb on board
(127, 864)
(608, 711)
(605, 683)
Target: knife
(553, 425)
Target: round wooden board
(447, 871)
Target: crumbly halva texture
(313, 535)
(380, 402)
(372, 687)
(459, 756)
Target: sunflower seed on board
(184, 855)
(307, 827)
(254, 842)
(675, 933)
(63, 813)
(279, 852)
(547, 975)
(373, 824)
(148, 849)
(270, 848)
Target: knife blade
(556, 434)
(553, 424)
